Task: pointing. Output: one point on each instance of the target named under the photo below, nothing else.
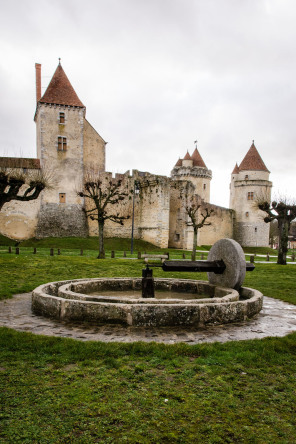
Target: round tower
(193, 169)
(250, 184)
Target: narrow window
(177, 237)
(250, 195)
(246, 177)
(255, 229)
(204, 186)
(247, 214)
(62, 143)
(62, 197)
(62, 117)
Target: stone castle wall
(93, 148)
(151, 209)
(18, 220)
(181, 234)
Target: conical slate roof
(235, 169)
(60, 91)
(253, 161)
(187, 156)
(197, 159)
(179, 162)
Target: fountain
(160, 302)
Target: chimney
(38, 81)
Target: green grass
(22, 273)
(64, 391)
(55, 390)
(87, 243)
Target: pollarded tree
(21, 184)
(283, 213)
(103, 193)
(197, 218)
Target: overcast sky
(155, 75)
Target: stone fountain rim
(149, 315)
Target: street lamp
(136, 191)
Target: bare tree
(19, 183)
(197, 221)
(283, 213)
(103, 193)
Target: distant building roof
(60, 91)
(253, 161)
(197, 159)
(235, 169)
(19, 162)
(187, 156)
(179, 163)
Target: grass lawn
(55, 390)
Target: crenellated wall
(181, 233)
(151, 208)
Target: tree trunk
(101, 240)
(193, 254)
(283, 241)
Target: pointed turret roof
(179, 162)
(235, 169)
(253, 161)
(197, 159)
(187, 156)
(60, 91)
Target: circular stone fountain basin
(199, 303)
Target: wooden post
(293, 257)
(124, 254)
(9, 249)
(267, 257)
(139, 254)
(59, 252)
(34, 250)
(202, 257)
(112, 254)
(17, 250)
(81, 252)
(252, 259)
(51, 252)
(184, 256)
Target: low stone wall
(69, 301)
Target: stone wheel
(233, 256)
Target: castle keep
(69, 146)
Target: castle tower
(250, 183)
(193, 169)
(66, 144)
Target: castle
(69, 145)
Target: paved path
(276, 319)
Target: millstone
(233, 257)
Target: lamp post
(136, 191)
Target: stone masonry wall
(60, 206)
(93, 148)
(18, 220)
(181, 234)
(151, 209)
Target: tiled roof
(15, 162)
(60, 91)
(187, 156)
(197, 159)
(253, 161)
(179, 163)
(235, 169)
